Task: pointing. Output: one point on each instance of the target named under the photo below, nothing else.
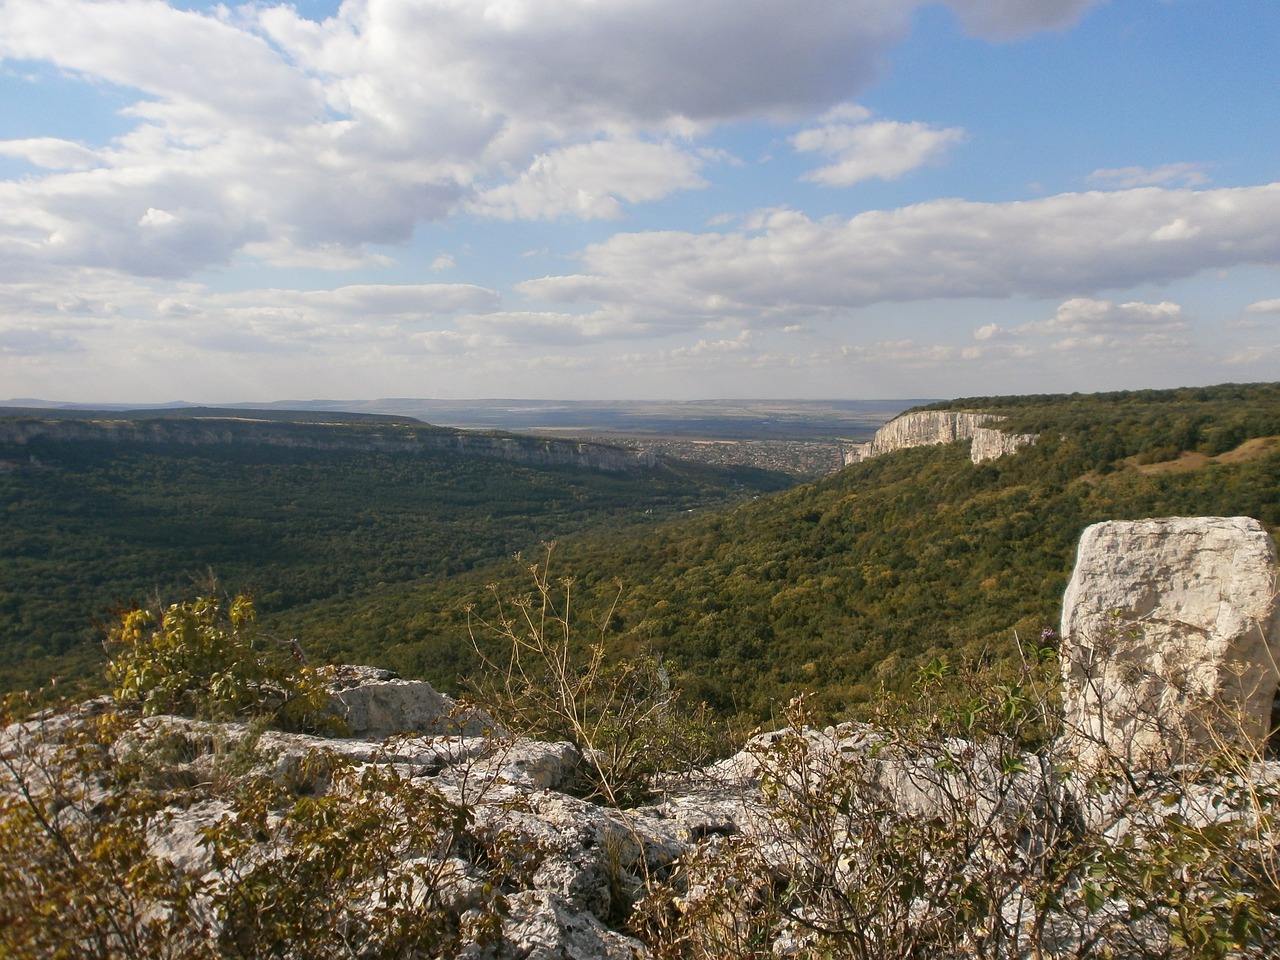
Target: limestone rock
(377, 704)
(991, 444)
(531, 764)
(1171, 636)
(928, 427)
(541, 926)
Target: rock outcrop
(1169, 627)
(1171, 639)
(929, 427)
(375, 704)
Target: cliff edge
(928, 427)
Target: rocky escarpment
(949, 847)
(928, 427)
(395, 438)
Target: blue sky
(636, 199)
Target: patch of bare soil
(1188, 461)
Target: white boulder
(376, 704)
(1170, 639)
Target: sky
(636, 199)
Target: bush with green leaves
(207, 658)
(78, 880)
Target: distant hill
(805, 438)
(47, 411)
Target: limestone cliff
(398, 438)
(927, 427)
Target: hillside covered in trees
(842, 586)
(109, 509)
(855, 581)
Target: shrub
(337, 860)
(78, 878)
(962, 830)
(542, 679)
(198, 659)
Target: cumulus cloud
(1257, 356)
(1086, 324)
(1089, 316)
(51, 153)
(783, 266)
(1264, 306)
(262, 132)
(573, 62)
(885, 148)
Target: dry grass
(1190, 461)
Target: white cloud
(1088, 325)
(886, 149)
(591, 180)
(156, 218)
(51, 153)
(199, 67)
(1264, 306)
(550, 327)
(1177, 229)
(1168, 175)
(1085, 315)
(304, 143)
(782, 267)
(1262, 357)
(103, 307)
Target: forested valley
(841, 587)
(91, 526)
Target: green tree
(200, 659)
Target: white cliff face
(989, 444)
(928, 427)
(1170, 639)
